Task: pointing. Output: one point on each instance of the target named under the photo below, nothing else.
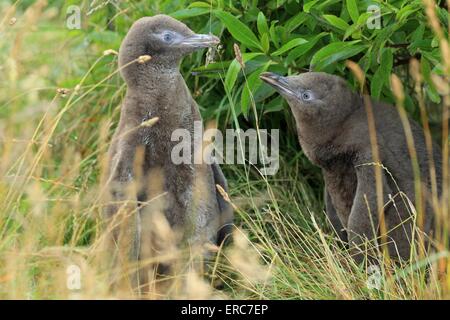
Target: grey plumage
(332, 128)
(185, 193)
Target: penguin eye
(168, 37)
(306, 96)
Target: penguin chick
(332, 127)
(140, 155)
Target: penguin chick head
(164, 38)
(315, 95)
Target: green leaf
(288, 46)
(265, 43)
(334, 52)
(273, 34)
(362, 20)
(352, 9)
(275, 105)
(304, 48)
(351, 30)
(406, 11)
(417, 35)
(188, 13)
(307, 6)
(336, 22)
(232, 74)
(329, 49)
(431, 91)
(262, 25)
(355, 29)
(234, 68)
(381, 76)
(296, 21)
(253, 84)
(199, 4)
(239, 30)
(325, 4)
(246, 57)
(213, 67)
(275, 4)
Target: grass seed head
(150, 122)
(397, 88)
(110, 52)
(414, 69)
(143, 59)
(63, 92)
(238, 55)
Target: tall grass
(53, 159)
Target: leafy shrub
(295, 36)
(292, 36)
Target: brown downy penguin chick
(185, 194)
(332, 127)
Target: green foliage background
(295, 36)
(284, 36)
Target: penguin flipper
(364, 223)
(226, 210)
(333, 217)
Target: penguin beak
(200, 41)
(278, 82)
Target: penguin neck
(159, 92)
(320, 139)
(153, 77)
